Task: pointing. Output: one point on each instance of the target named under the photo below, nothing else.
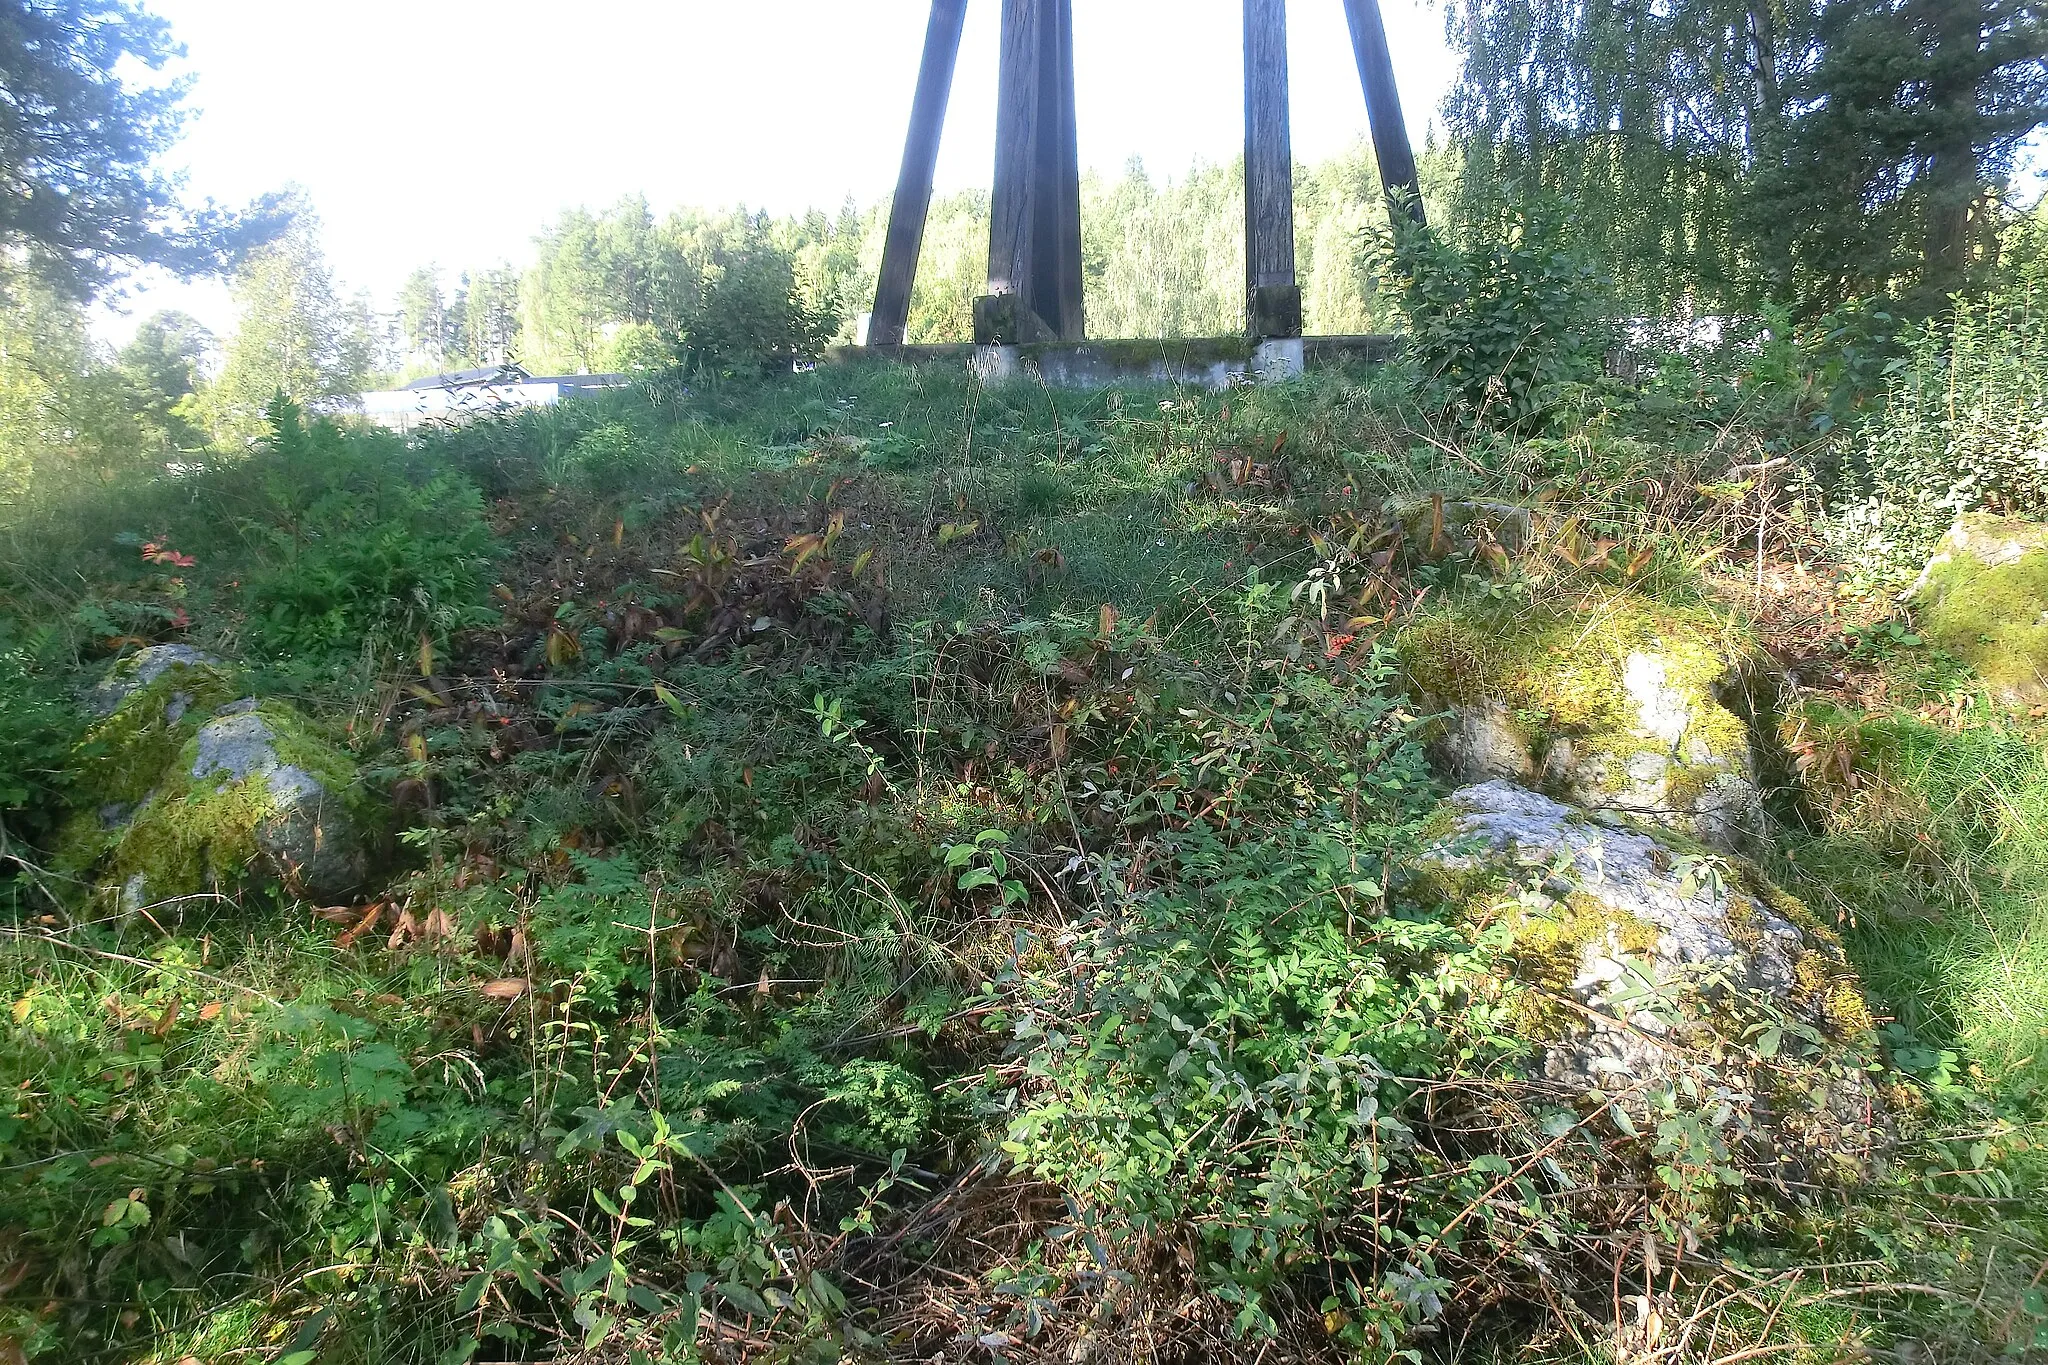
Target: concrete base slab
(994, 364)
(1195, 362)
(1275, 361)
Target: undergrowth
(883, 868)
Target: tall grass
(1937, 858)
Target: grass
(873, 864)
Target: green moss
(121, 759)
(196, 833)
(1550, 945)
(1560, 674)
(1993, 619)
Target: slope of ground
(874, 867)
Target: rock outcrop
(143, 668)
(1654, 967)
(1983, 597)
(1617, 706)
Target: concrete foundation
(1279, 360)
(1206, 363)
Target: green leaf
(745, 1299)
(472, 1292)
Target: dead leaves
(1239, 469)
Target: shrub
(355, 549)
(1497, 329)
(1965, 429)
(38, 725)
(752, 314)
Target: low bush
(354, 550)
(752, 314)
(1498, 330)
(1964, 428)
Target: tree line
(1714, 157)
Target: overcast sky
(452, 131)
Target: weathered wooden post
(1383, 108)
(1272, 295)
(912, 205)
(1034, 256)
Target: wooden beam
(1383, 107)
(1035, 212)
(1010, 236)
(1273, 297)
(912, 205)
(1072, 321)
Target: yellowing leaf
(426, 655)
(22, 1007)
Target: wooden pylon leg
(1071, 323)
(1273, 297)
(1383, 108)
(1034, 267)
(912, 205)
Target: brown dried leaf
(405, 931)
(506, 988)
(362, 926)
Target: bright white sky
(452, 131)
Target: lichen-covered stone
(1642, 956)
(1983, 597)
(1615, 705)
(254, 791)
(142, 668)
(150, 706)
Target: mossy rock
(1612, 701)
(150, 705)
(1646, 963)
(144, 668)
(251, 791)
(1983, 597)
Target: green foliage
(802, 821)
(1499, 329)
(1723, 155)
(1962, 430)
(1931, 844)
(39, 723)
(81, 190)
(295, 335)
(1217, 1056)
(752, 314)
(355, 552)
